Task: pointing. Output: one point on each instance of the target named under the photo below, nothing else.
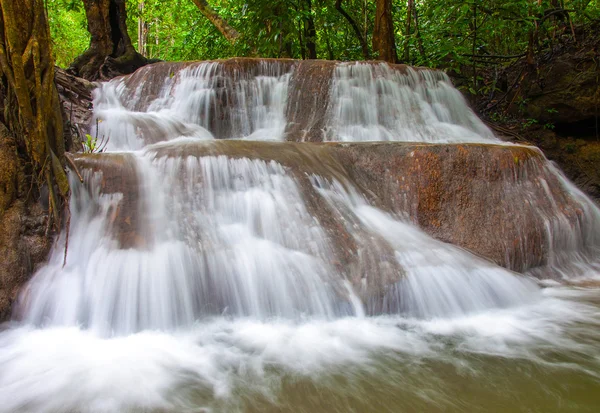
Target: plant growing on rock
(94, 144)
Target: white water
(441, 280)
(234, 287)
(367, 103)
(233, 237)
(191, 104)
(221, 361)
(574, 249)
(376, 103)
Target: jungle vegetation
(430, 33)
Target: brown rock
(118, 174)
(489, 199)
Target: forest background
(432, 33)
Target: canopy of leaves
(441, 32)
(68, 29)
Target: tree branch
(221, 24)
(361, 39)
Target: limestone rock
(497, 201)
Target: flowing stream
(199, 278)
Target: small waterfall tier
(284, 100)
(187, 229)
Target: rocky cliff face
(555, 106)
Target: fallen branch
(73, 166)
(505, 131)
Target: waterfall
(219, 236)
(440, 280)
(202, 230)
(221, 252)
(198, 101)
(376, 103)
(365, 103)
(222, 236)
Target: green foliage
(529, 122)
(68, 30)
(447, 35)
(550, 125)
(522, 104)
(94, 144)
(176, 30)
(499, 117)
(89, 144)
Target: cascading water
(193, 101)
(376, 103)
(206, 275)
(225, 237)
(574, 247)
(440, 280)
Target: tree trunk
(359, 36)
(110, 53)
(31, 141)
(310, 33)
(418, 33)
(221, 24)
(142, 31)
(32, 108)
(383, 35)
(409, 12)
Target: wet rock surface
(308, 101)
(493, 200)
(117, 175)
